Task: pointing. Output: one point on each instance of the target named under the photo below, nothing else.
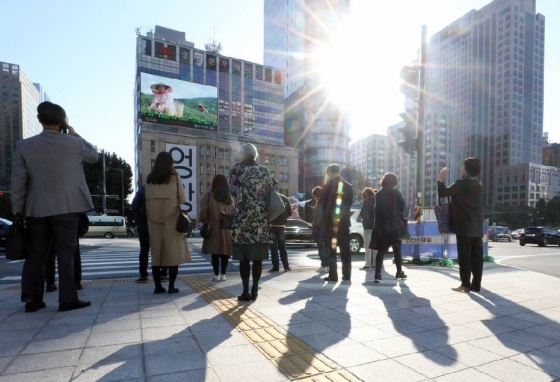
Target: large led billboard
(179, 103)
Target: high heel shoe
(173, 290)
(159, 290)
(244, 297)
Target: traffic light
(409, 132)
(410, 76)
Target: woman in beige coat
(219, 244)
(164, 193)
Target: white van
(106, 226)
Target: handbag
(206, 228)
(16, 242)
(226, 221)
(442, 216)
(183, 220)
(83, 225)
(274, 204)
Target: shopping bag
(16, 242)
(442, 216)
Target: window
(226, 171)
(272, 159)
(214, 170)
(221, 154)
(214, 151)
(201, 188)
(226, 154)
(201, 151)
(207, 169)
(283, 161)
(201, 169)
(152, 146)
(208, 187)
(208, 150)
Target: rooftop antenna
(212, 45)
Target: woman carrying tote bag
(164, 194)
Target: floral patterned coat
(249, 183)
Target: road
(544, 260)
(118, 258)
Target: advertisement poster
(179, 103)
(184, 162)
(168, 52)
(248, 70)
(184, 56)
(198, 58)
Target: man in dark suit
(49, 189)
(465, 221)
(336, 202)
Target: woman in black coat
(389, 227)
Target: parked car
(4, 230)
(497, 233)
(542, 236)
(515, 234)
(356, 232)
(298, 232)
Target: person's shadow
(314, 329)
(180, 350)
(527, 332)
(413, 324)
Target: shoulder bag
(442, 216)
(274, 204)
(206, 228)
(16, 243)
(183, 220)
(226, 220)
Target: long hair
(220, 190)
(163, 169)
(318, 192)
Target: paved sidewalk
(300, 328)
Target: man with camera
(49, 191)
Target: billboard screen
(179, 103)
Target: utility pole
(104, 186)
(420, 125)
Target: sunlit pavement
(299, 328)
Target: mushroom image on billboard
(179, 103)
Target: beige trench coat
(168, 246)
(220, 242)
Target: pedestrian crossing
(119, 259)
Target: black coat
(465, 210)
(328, 203)
(367, 213)
(389, 227)
(138, 208)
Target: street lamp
(122, 186)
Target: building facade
(551, 154)
(18, 120)
(201, 106)
(526, 183)
(368, 156)
(487, 67)
(295, 30)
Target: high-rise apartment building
(201, 106)
(487, 68)
(368, 156)
(551, 154)
(18, 120)
(294, 33)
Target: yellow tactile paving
(297, 360)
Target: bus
(106, 226)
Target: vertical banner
(184, 162)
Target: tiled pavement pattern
(300, 328)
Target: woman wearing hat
(163, 100)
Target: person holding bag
(465, 221)
(388, 228)
(219, 243)
(164, 195)
(249, 185)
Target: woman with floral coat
(249, 184)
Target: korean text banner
(184, 162)
(179, 103)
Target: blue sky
(83, 53)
